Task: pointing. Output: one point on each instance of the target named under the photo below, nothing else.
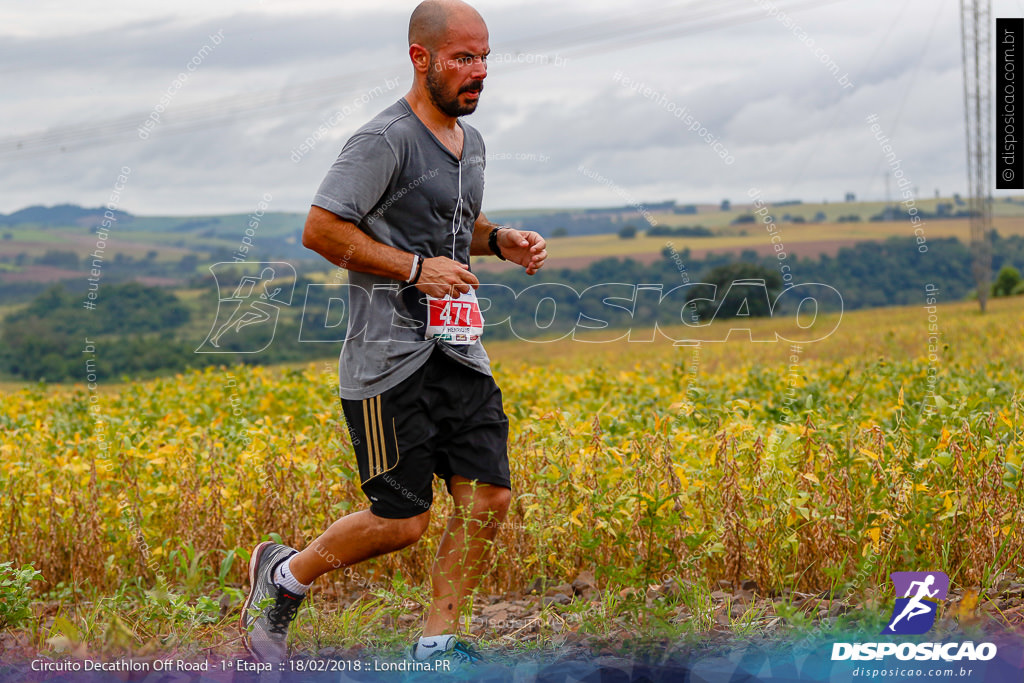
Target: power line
(976, 41)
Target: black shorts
(444, 419)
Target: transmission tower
(976, 40)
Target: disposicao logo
(913, 614)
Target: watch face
(493, 242)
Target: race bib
(456, 321)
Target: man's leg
(354, 538)
(479, 509)
(280, 575)
(473, 457)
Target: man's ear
(420, 57)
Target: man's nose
(479, 70)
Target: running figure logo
(247, 317)
(914, 613)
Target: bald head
(430, 21)
(448, 47)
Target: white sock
(430, 645)
(284, 579)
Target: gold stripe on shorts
(376, 443)
(371, 446)
(380, 431)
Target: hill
(42, 245)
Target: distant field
(714, 217)
(807, 240)
(82, 242)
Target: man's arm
(345, 245)
(518, 246)
(481, 233)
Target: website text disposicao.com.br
(950, 654)
(910, 673)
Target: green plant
(750, 622)
(190, 562)
(15, 594)
(1006, 281)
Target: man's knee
(405, 532)
(495, 500)
(480, 500)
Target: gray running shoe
(269, 610)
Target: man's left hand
(523, 247)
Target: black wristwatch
(492, 242)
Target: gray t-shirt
(401, 186)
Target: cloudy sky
(586, 103)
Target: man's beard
(450, 106)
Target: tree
(627, 232)
(188, 263)
(43, 340)
(58, 258)
(1006, 281)
(732, 297)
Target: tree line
(144, 331)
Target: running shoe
(269, 609)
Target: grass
(627, 464)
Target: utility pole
(976, 40)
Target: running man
(256, 312)
(915, 606)
(401, 210)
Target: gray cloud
(791, 128)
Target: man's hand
(523, 247)
(442, 276)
